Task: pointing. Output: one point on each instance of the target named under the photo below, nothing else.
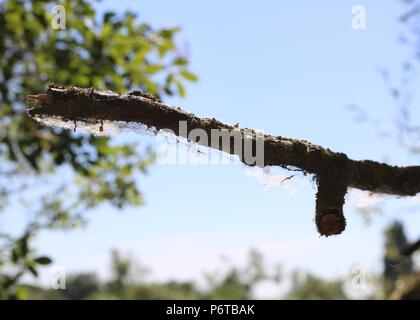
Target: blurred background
(86, 217)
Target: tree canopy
(107, 51)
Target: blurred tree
(311, 287)
(122, 269)
(128, 282)
(399, 267)
(403, 91)
(396, 265)
(410, 290)
(240, 283)
(232, 283)
(105, 51)
(79, 286)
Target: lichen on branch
(334, 171)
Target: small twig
(287, 178)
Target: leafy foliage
(310, 287)
(234, 282)
(110, 51)
(396, 265)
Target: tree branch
(410, 248)
(334, 171)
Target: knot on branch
(329, 216)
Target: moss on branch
(335, 172)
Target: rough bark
(334, 171)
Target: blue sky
(288, 68)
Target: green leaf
(179, 61)
(188, 75)
(108, 16)
(23, 245)
(43, 260)
(153, 68)
(181, 89)
(33, 270)
(15, 255)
